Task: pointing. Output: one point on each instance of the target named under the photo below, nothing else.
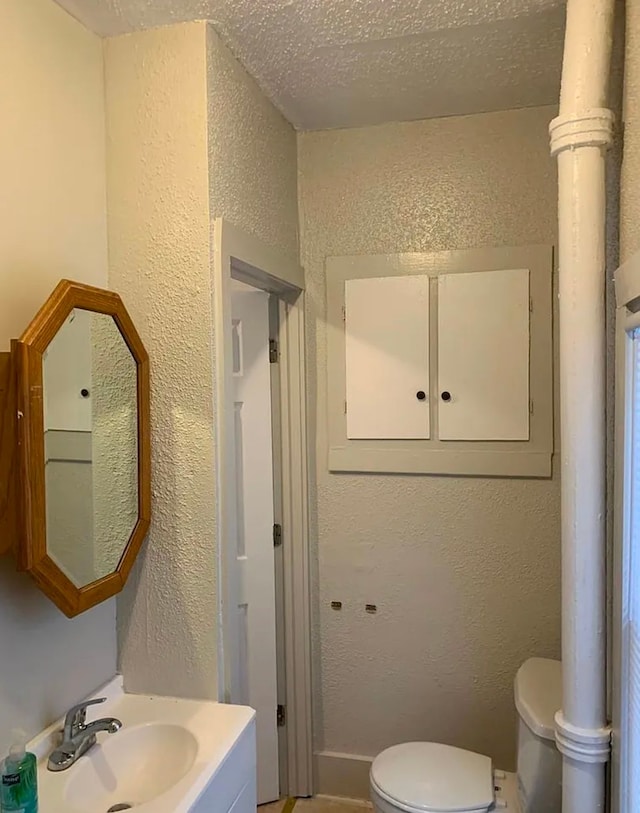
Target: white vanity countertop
(215, 727)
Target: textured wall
(190, 138)
(629, 186)
(465, 572)
(252, 154)
(158, 206)
(52, 207)
(114, 443)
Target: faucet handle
(75, 717)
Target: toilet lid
(434, 778)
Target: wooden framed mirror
(75, 458)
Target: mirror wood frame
(22, 452)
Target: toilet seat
(428, 777)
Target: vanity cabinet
(234, 786)
(169, 755)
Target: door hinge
(273, 351)
(281, 716)
(344, 314)
(277, 535)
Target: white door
(254, 483)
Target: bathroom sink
(170, 756)
(133, 768)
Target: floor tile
(272, 807)
(319, 804)
(332, 804)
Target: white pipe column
(579, 137)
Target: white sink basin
(134, 767)
(168, 753)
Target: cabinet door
(387, 357)
(483, 355)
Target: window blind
(631, 586)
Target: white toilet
(427, 777)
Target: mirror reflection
(91, 450)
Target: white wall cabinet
(441, 363)
(483, 355)
(387, 357)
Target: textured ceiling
(346, 63)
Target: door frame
(239, 255)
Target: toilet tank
(538, 695)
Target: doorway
(264, 641)
(258, 534)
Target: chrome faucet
(78, 736)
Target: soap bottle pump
(19, 778)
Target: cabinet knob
(421, 395)
(446, 396)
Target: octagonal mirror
(82, 396)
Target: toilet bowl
(429, 777)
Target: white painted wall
(159, 261)
(630, 186)
(252, 154)
(69, 481)
(190, 137)
(465, 572)
(53, 212)
(66, 372)
(114, 443)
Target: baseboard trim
(344, 775)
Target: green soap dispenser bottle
(19, 779)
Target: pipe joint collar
(591, 129)
(592, 745)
